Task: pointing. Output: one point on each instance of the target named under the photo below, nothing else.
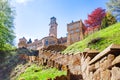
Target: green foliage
(40, 73)
(108, 20)
(4, 54)
(114, 7)
(109, 35)
(6, 24)
(23, 51)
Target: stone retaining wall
(104, 66)
(88, 65)
(60, 61)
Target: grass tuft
(35, 72)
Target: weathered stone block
(101, 66)
(103, 59)
(115, 73)
(90, 76)
(92, 68)
(111, 57)
(105, 64)
(97, 65)
(105, 75)
(96, 75)
(116, 60)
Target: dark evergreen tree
(30, 41)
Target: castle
(46, 41)
(76, 32)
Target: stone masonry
(88, 65)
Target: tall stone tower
(53, 27)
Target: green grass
(109, 35)
(41, 74)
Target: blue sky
(33, 16)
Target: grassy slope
(110, 35)
(41, 74)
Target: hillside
(98, 40)
(35, 72)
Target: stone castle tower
(53, 27)
(22, 42)
(75, 32)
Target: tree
(108, 20)
(30, 41)
(6, 24)
(114, 7)
(95, 18)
